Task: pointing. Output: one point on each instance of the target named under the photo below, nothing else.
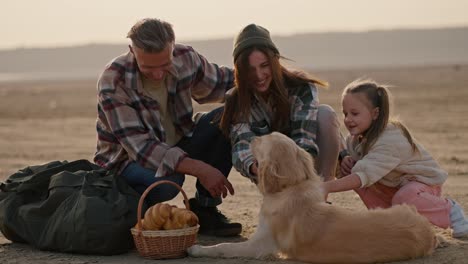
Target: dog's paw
(205, 251)
(195, 251)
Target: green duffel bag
(74, 207)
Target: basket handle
(145, 193)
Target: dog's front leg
(260, 245)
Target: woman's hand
(254, 168)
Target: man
(145, 128)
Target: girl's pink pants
(427, 200)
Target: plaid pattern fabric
(128, 123)
(302, 126)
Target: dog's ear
(305, 165)
(268, 178)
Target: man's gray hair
(151, 34)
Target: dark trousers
(206, 144)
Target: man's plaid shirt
(128, 123)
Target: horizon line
(202, 39)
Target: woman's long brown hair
(238, 105)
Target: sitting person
(145, 129)
(269, 97)
(385, 166)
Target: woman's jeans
(207, 144)
(329, 142)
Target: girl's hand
(323, 188)
(346, 165)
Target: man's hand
(346, 165)
(210, 177)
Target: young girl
(386, 166)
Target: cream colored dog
(295, 221)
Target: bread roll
(180, 218)
(156, 216)
(142, 225)
(187, 217)
(168, 217)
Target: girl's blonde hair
(378, 96)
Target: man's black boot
(213, 222)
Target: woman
(268, 97)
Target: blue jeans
(140, 178)
(207, 144)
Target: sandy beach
(41, 121)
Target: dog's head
(281, 163)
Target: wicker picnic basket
(163, 244)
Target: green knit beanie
(252, 35)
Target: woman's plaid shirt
(302, 126)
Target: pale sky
(43, 23)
